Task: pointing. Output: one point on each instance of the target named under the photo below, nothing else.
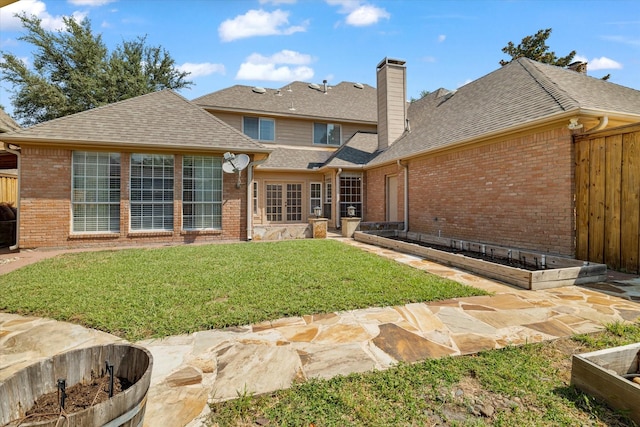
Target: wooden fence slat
(582, 199)
(596, 199)
(8, 189)
(630, 202)
(613, 181)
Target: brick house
(144, 170)
(490, 162)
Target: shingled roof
(161, 119)
(361, 148)
(521, 92)
(292, 158)
(7, 124)
(345, 102)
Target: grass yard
(143, 293)
(515, 386)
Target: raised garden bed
(608, 375)
(526, 269)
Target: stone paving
(216, 365)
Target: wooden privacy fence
(8, 188)
(607, 178)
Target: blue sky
(272, 42)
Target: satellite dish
(234, 164)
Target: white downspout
(17, 154)
(337, 188)
(250, 197)
(406, 195)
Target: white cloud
(602, 63)
(276, 67)
(441, 38)
(203, 69)
(258, 23)
(33, 7)
(90, 2)
(430, 59)
(360, 13)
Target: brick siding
(45, 207)
(516, 192)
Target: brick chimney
(392, 100)
(578, 67)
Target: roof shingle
(342, 102)
(160, 119)
(521, 92)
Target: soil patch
(78, 398)
(525, 264)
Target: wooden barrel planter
(130, 362)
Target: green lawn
(142, 293)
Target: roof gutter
(406, 195)
(16, 152)
(518, 128)
(250, 197)
(110, 145)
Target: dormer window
(259, 128)
(327, 134)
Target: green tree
(73, 71)
(534, 47)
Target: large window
(326, 134)
(350, 194)
(259, 128)
(201, 192)
(95, 192)
(151, 192)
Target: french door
(284, 202)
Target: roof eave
(111, 145)
(501, 132)
(213, 111)
(582, 112)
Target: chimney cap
(391, 61)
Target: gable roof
(161, 119)
(296, 158)
(343, 102)
(523, 91)
(361, 148)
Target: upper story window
(259, 128)
(327, 134)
